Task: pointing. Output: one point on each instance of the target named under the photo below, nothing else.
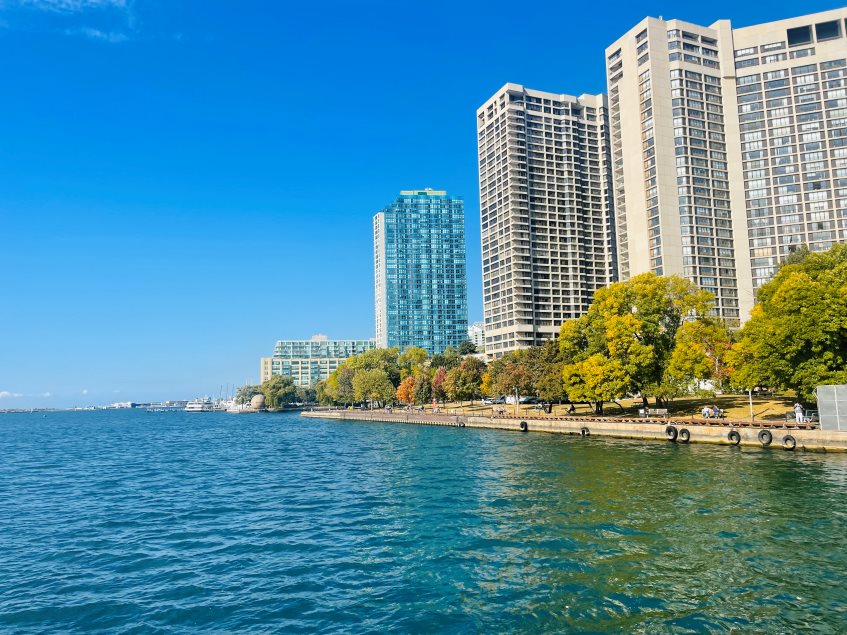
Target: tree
(633, 324)
(487, 385)
(450, 358)
(699, 354)
(467, 348)
(304, 394)
(339, 385)
(279, 390)
(374, 385)
(423, 386)
(796, 337)
(545, 365)
(595, 379)
(439, 393)
(406, 391)
(321, 393)
(514, 378)
(411, 361)
(465, 380)
(246, 393)
(384, 359)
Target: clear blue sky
(183, 183)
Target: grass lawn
(771, 408)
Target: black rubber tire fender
(585, 431)
(684, 435)
(524, 427)
(671, 433)
(765, 437)
(734, 437)
(789, 442)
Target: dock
(799, 437)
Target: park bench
(654, 412)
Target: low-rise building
(309, 361)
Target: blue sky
(183, 183)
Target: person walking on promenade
(798, 412)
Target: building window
(828, 30)
(799, 35)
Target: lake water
(126, 521)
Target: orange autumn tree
(406, 391)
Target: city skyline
(149, 190)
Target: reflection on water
(167, 521)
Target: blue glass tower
(421, 293)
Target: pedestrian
(707, 412)
(798, 412)
(571, 409)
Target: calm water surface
(168, 522)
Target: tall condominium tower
(545, 210)
(419, 271)
(729, 148)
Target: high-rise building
(309, 361)
(546, 212)
(420, 278)
(476, 335)
(729, 148)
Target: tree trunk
(644, 401)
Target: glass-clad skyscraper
(419, 271)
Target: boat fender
(585, 431)
(523, 426)
(462, 424)
(671, 433)
(734, 437)
(765, 437)
(684, 435)
(789, 442)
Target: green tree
(796, 337)
(339, 385)
(699, 354)
(411, 361)
(374, 385)
(595, 379)
(450, 358)
(279, 390)
(384, 359)
(246, 393)
(321, 393)
(465, 380)
(423, 386)
(467, 348)
(633, 325)
(305, 394)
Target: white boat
(200, 405)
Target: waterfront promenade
(679, 430)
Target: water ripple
(133, 522)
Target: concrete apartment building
(545, 210)
(476, 335)
(420, 277)
(309, 361)
(729, 148)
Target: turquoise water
(166, 522)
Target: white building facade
(729, 149)
(546, 212)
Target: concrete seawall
(814, 440)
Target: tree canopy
(796, 337)
(625, 342)
(279, 390)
